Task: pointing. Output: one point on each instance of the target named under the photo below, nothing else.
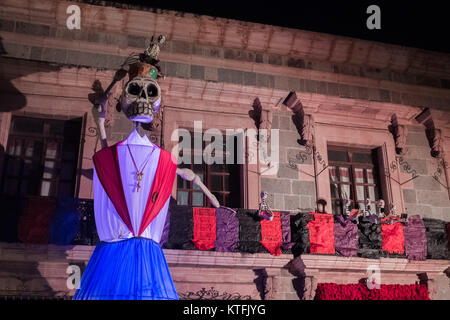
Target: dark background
(423, 24)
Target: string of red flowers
(333, 291)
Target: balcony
(39, 271)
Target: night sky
(423, 24)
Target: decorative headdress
(141, 95)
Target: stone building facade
(356, 95)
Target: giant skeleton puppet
(133, 182)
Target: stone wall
(427, 194)
(352, 88)
(52, 69)
(252, 55)
(234, 75)
(293, 188)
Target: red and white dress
(129, 263)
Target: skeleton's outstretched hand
(189, 175)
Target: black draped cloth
(181, 227)
(249, 232)
(300, 234)
(370, 239)
(437, 241)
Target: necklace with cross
(139, 173)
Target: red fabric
(106, 164)
(393, 237)
(204, 228)
(34, 224)
(321, 233)
(333, 291)
(271, 234)
(161, 188)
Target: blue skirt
(132, 269)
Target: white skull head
(140, 99)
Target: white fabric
(110, 226)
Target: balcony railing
(35, 222)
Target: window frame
(351, 165)
(45, 137)
(208, 172)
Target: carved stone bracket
(400, 132)
(260, 117)
(255, 114)
(434, 135)
(304, 123)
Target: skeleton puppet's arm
(188, 175)
(100, 112)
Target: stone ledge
(35, 252)
(354, 264)
(39, 271)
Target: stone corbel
(305, 282)
(262, 119)
(400, 133)
(303, 122)
(434, 135)
(256, 113)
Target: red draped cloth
(106, 164)
(393, 237)
(204, 228)
(271, 234)
(34, 224)
(333, 291)
(321, 233)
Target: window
(223, 180)
(353, 175)
(41, 157)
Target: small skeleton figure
(345, 204)
(264, 209)
(153, 49)
(367, 211)
(404, 218)
(151, 54)
(393, 217)
(380, 205)
(393, 210)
